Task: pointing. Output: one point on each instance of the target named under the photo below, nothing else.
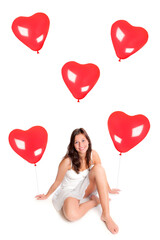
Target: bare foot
(112, 227)
(95, 198)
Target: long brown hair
(72, 152)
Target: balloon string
(118, 169)
(36, 179)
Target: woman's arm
(64, 165)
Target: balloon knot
(120, 154)
(37, 52)
(78, 100)
(35, 165)
(119, 60)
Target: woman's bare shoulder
(66, 162)
(95, 157)
(94, 153)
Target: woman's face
(81, 143)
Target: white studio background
(32, 92)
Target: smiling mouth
(81, 149)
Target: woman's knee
(70, 215)
(70, 212)
(97, 169)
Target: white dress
(73, 185)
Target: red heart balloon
(29, 144)
(127, 39)
(127, 131)
(32, 31)
(80, 78)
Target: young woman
(80, 174)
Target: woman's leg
(74, 211)
(98, 176)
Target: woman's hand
(41, 197)
(114, 191)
